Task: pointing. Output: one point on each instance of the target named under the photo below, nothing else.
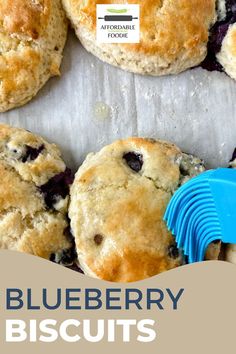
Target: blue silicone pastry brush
(202, 211)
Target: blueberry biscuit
(118, 200)
(174, 34)
(34, 192)
(227, 54)
(32, 37)
(222, 44)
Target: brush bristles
(192, 217)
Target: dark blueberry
(173, 251)
(68, 256)
(183, 171)
(53, 257)
(234, 156)
(211, 64)
(134, 161)
(67, 232)
(98, 239)
(75, 268)
(57, 186)
(230, 7)
(31, 153)
(217, 34)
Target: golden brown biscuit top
(32, 37)
(168, 26)
(118, 201)
(24, 17)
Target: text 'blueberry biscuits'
(118, 200)
(32, 37)
(34, 192)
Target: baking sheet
(93, 103)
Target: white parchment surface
(92, 104)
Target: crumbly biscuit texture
(118, 200)
(230, 253)
(227, 55)
(33, 195)
(32, 37)
(174, 34)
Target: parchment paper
(196, 109)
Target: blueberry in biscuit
(118, 200)
(34, 192)
(222, 44)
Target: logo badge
(118, 23)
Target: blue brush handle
(204, 210)
(224, 195)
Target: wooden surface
(196, 110)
